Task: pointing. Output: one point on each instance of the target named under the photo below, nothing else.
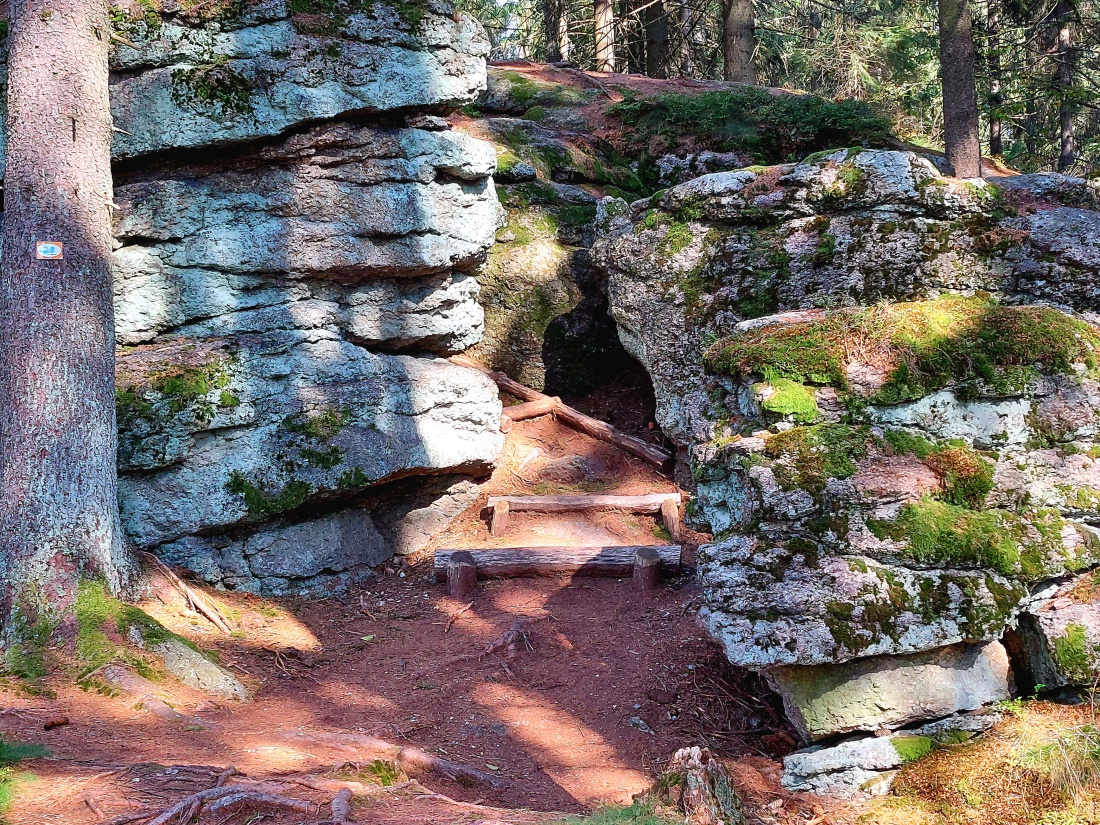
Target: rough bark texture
(58, 501)
(1067, 156)
(552, 12)
(960, 99)
(996, 99)
(687, 32)
(738, 41)
(656, 40)
(605, 35)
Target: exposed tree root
(370, 747)
(197, 601)
(511, 639)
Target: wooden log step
(651, 503)
(505, 562)
(662, 459)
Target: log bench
(462, 568)
(667, 504)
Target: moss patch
(790, 398)
(216, 88)
(1074, 655)
(807, 457)
(938, 533)
(261, 502)
(922, 346)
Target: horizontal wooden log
(651, 503)
(601, 430)
(506, 562)
(533, 409)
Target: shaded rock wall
(297, 230)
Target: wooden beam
(506, 562)
(499, 522)
(670, 515)
(461, 573)
(647, 569)
(533, 409)
(601, 430)
(652, 503)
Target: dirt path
(611, 682)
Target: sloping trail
(607, 685)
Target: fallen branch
(409, 757)
(601, 430)
(341, 807)
(196, 600)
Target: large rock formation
(889, 407)
(297, 230)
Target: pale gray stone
(892, 691)
(197, 671)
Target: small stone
(639, 723)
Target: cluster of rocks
(885, 384)
(297, 232)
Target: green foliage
(637, 814)
(321, 425)
(1074, 655)
(261, 503)
(925, 346)
(772, 127)
(216, 88)
(12, 752)
(807, 457)
(676, 239)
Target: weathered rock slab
(869, 694)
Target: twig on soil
(510, 639)
(93, 807)
(410, 757)
(470, 806)
(454, 618)
(197, 601)
(126, 819)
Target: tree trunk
(996, 99)
(1067, 156)
(552, 24)
(605, 35)
(58, 479)
(738, 41)
(656, 40)
(960, 98)
(687, 30)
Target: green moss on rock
(807, 457)
(1074, 655)
(924, 346)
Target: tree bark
(605, 35)
(687, 32)
(960, 97)
(552, 25)
(996, 126)
(738, 41)
(1067, 156)
(656, 40)
(59, 516)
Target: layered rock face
(886, 385)
(297, 230)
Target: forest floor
(606, 686)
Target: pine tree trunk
(960, 97)
(656, 40)
(738, 41)
(551, 18)
(605, 35)
(1067, 156)
(58, 478)
(996, 99)
(687, 31)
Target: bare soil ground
(607, 686)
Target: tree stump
(500, 517)
(461, 575)
(647, 569)
(700, 787)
